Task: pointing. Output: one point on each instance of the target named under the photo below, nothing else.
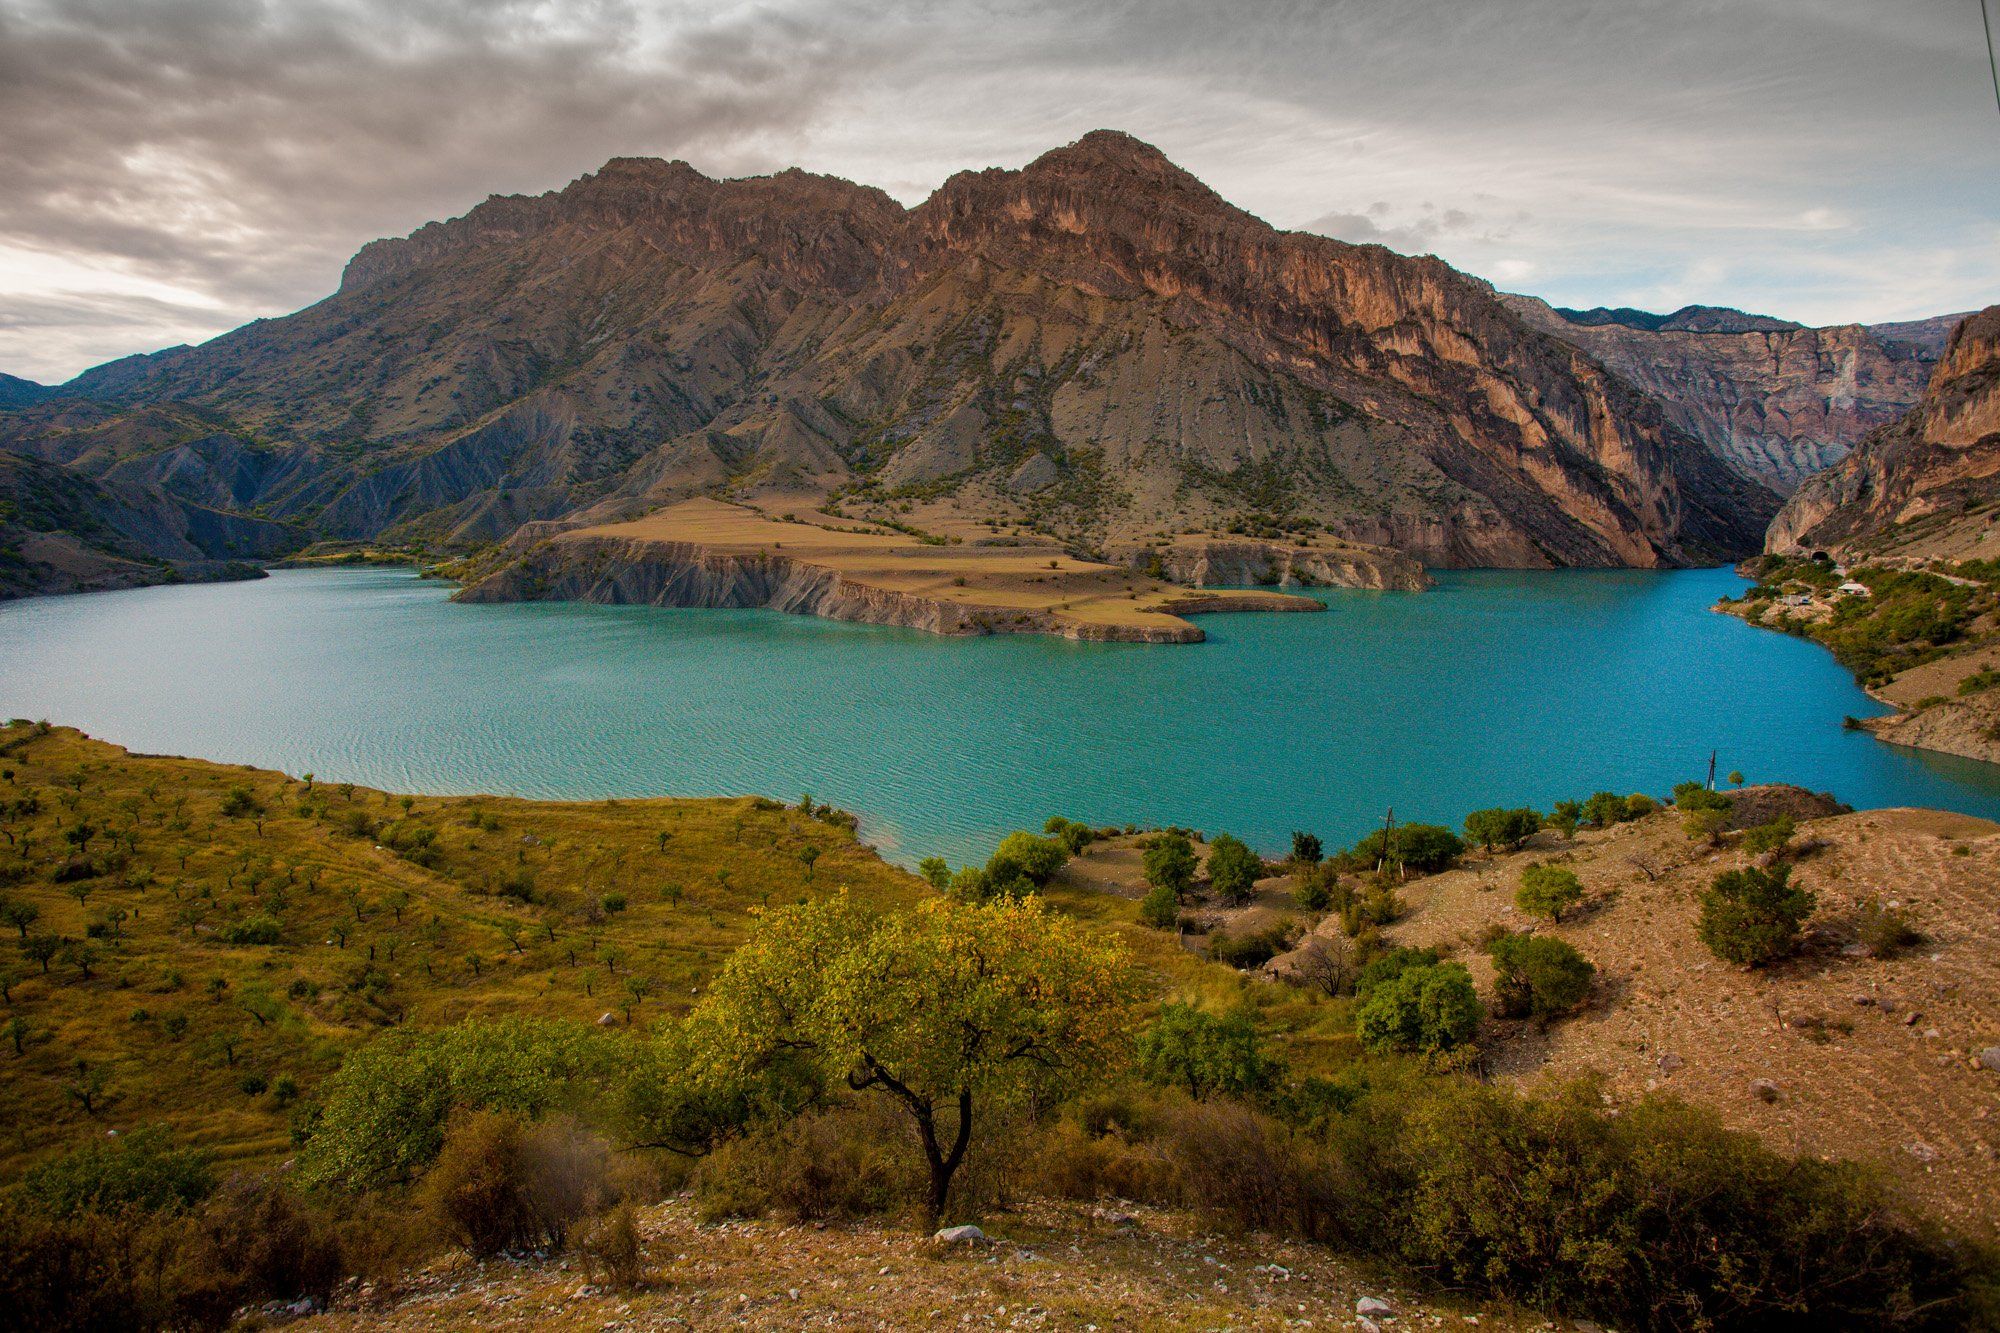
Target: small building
(1853, 589)
(1796, 599)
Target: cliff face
(1927, 485)
(1094, 347)
(1779, 400)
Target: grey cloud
(247, 146)
(1594, 152)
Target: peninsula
(708, 553)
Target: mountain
(1779, 400)
(17, 392)
(1688, 319)
(1927, 485)
(61, 531)
(1095, 347)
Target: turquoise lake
(1494, 688)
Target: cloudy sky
(172, 168)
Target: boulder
(965, 1235)
(1990, 1058)
(1373, 1307)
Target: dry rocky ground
(1045, 1267)
(1833, 1053)
(1873, 1059)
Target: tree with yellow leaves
(956, 1010)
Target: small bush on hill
(1390, 964)
(1886, 931)
(1604, 809)
(141, 1169)
(1548, 891)
(1537, 977)
(1497, 828)
(383, 1113)
(1425, 848)
(502, 1184)
(1565, 817)
(1073, 836)
(1170, 863)
(1430, 1008)
(1252, 948)
(1160, 909)
(1186, 1047)
(259, 929)
(1775, 836)
(1754, 916)
(1232, 869)
(1307, 850)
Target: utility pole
(1711, 770)
(1388, 839)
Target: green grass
(391, 910)
(503, 911)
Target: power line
(1991, 63)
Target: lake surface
(1494, 688)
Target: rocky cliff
(1777, 399)
(1095, 347)
(1927, 485)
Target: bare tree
(1327, 963)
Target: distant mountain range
(1779, 400)
(1095, 346)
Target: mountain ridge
(1096, 347)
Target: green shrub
(1497, 828)
(1389, 965)
(1312, 892)
(1604, 809)
(1160, 909)
(1754, 916)
(1252, 948)
(383, 1114)
(1774, 836)
(1026, 856)
(1886, 931)
(1073, 836)
(1430, 1008)
(1657, 1218)
(1425, 848)
(1548, 891)
(140, 1169)
(1189, 1048)
(1170, 863)
(1307, 850)
(1537, 977)
(1565, 818)
(1695, 796)
(1232, 869)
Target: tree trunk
(944, 1165)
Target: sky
(172, 168)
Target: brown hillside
(1873, 1059)
(1095, 346)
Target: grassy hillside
(215, 928)
(242, 929)
(211, 948)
